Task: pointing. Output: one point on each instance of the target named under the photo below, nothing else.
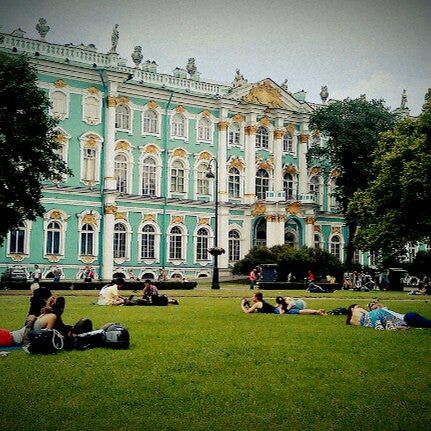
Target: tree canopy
(27, 143)
(395, 208)
(352, 128)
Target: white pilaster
(108, 237)
(278, 156)
(223, 226)
(110, 138)
(250, 160)
(302, 157)
(309, 231)
(247, 240)
(222, 156)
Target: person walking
(37, 274)
(252, 277)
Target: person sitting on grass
(288, 305)
(152, 295)
(109, 295)
(259, 305)
(382, 318)
(424, 289)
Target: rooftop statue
(42, 28)
(324, 93)
(239, 80)
(137, 56)
(284, 85)
(191, 67)
(114, 39)
(403, 100)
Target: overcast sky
(377, 47)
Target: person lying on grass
(109, 295)
(288, 305)
(382, 318)
(259, 305)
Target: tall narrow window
(91, 110)
(287, 143)
(150, 122)
(121, 173)
(89, 164)
(335, 246)
(176, 243)
(262, 183)
(122, 117)
(315, 187)
(177, 177)
(332, 199)
(149, 177)
(260, 235)
(234, 183)
(262, 137)
(289, 238)
(234, 134)
(120, 238)
(53, 238)
(234, 246)
(178, 126)
(17, 239)
(203, 185)
(317, 241)
(148, 241)
(59, 103)
(202, 244)
(87, 239)
(288, 186)
(204, 129)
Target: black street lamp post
(216, 251)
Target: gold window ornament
(205, 156)
(93, 90)
(149, 217)
(152, 104)
(294, 208)
(258, 209)
(179, 152)
(238, 118)
(151, 149)
(122, 146)
(177, 219)
(59, 83)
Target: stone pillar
(275, 229)
(302, 158)
(247, 239)
(250, 164)
(309, 231)
(108, 237)
(222, 158)
(109, 145)
(223, 226)
(278, 160)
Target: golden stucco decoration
(59, 83)
(236, 163)
(177, 219)
(291, 169)
(316, 228)
(203, 221)
(303, 139)
(206, 113)
(223, 125)
(93, 90)
(91, 141)
(88, 259)
(111, 102)
(60, 138)
(281, 218)
(56, 215)
(278, 134)
(53, 258)
(238, 118)
(294, 207)
(315, 170)
(179, 152)
(120, 215)
(265, 164)
(110, 209)
(310, 220)
(250, 130)
(180, 109)
(205, 155)
(151, 149)
(150, 217)
(265, 94)
(290, 128)
(17, 257)
(271, 218)
(335, 173)
(122, 100)
(265, 121)
(122, 146)
(152, 104)
(336, 230)
(89, 218)
(258, 209)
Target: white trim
(65, 92)
(63, 229)
(159, 113)
(27, 233)
(157, 236)
(130, 129)
(186, 116)
(128, 232)
(82, 141)
(129, 160)
(85, 118)
(195, 244)
(186, 165)
(96, 227)
(158, 174)
(211, 121)
(210, 195)
(184, 236)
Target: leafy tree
(27, 143)
(352, 128)
(421, 263)
(395, 208)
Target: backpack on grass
(111, 335)
(44, 341)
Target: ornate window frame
(237, 163)
(121, 129)
(60, 216)
(241, 135)
(239, 230)
(340, 244)
(157, 236)
(128, 236)
(90, 140)
(66, 93)
(210, 237)
(152, 106)
(179, 110)
(269, 178)
(18, 256)
(85, 118)
(184, 236)
(124, 148)
(179, 154)
(210, 119)
(92, 218)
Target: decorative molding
(303, 139)
(336, 230)
(236, 163)
(278, 134)
(180, 109)
(53, 257)
(151, 149)
(56, 215)
(110, 209)
(122, 100)
(111, 102)
(281, 218)
(310, 220)
(291, 169)
(60, 84)
(317, 228)
(265, 121)
(149, 217)
(206, 113)
(17, 257)
(203, 221)
(335, 173)
(89, 218)
(315, 170)
(223, 125)
(258, 209)
(122, 146)
(290, 128)
(60, 138)
(250, 130)
(177, 219)
(93, 90)
(237, 118)
(119, 215)
(205, 156)
(179, 152)
(91, 141)
(271, 218)
(152, 104)
(88, 259)
(264, 94)
(294, 208)
(266, 164)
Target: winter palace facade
(140, 144)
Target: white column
(109, 146)
(223, 213)
(278, 161)
(222, 158)
(108, 237)
(302, 158)
(309, 231)
(275, 227)
(250, 160)
(246, 239)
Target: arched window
(53, 238)
(203, 185)
(288, 186)
(260, 238)
(335, 246)
(234, 183)
(59, 103)
(262, 137)
(178, 126)
(262, 183)
(91, 110)
(150, 122)
(120, 240)
(89, 164)
(87, 239)
(122, 117)
(17, 239)
(287, 143)
(234, 134)
(289, 238)
(332, 199)
(176, 243)
(177, 177)
(317, 241)
(149, 177)
(234, 246)
(204, 129)
(202, 239)
(315, 186)
(148, 242)
(121, 173)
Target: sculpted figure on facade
(265, 94)
(324, 93)
(285, 85)
(191, 67)
(403, 100)
(137, 56)
(114, 39)
(42, 28)
(239, 79)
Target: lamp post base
(215, 284)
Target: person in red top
(252, 277)
(310, 276)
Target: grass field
(204, 365)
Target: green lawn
(204, 365)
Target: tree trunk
(350, 250)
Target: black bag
(44, 341)
(89, 340)
(338, 312)
(159, 300)
(112, 335)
